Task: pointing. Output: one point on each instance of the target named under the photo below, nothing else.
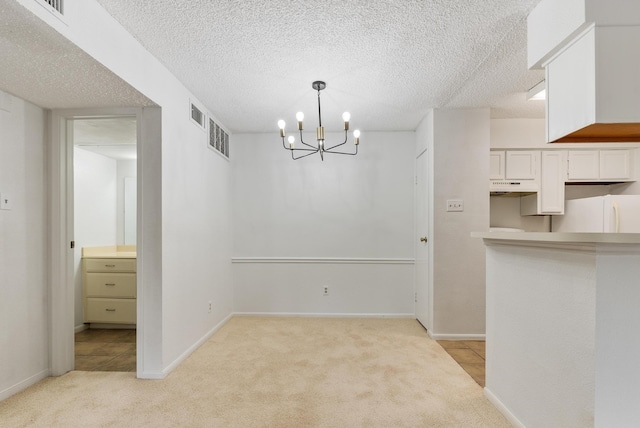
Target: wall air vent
(197, 116)
(53, 5)
(218, 139)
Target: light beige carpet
(275, 372)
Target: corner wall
(459, 144)
(345, 223)
(23, 243)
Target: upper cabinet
(600, 165)
(521, 165)
(589, 51)
(514, 170)
(593, 91)
(496, 165)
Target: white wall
(345, 208)
(518, 133)
(459, 144)
(193, 234)
(23, 243)
(95, 200)
(125, 168)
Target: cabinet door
(584, 165)
(496, 165)
(615, 164)
(551, 197)
(521, 165)
(571, 88)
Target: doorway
(422, 243)
(104, 162)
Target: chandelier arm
(313, 152)
(314, 149)
(308, 145)
(344, 153)
(346, 137)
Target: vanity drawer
(121, 285)
(120, 311)
(110, 265)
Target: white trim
(502, 408)
(436, 336)
(189, 351)
(60, 210)
(320, 315)
(81, 327)
(24, 384)
(321, 260)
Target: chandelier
(319, 147)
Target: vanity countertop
(110, 252)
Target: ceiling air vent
(218, 139)
(53, 5)
(197, 116)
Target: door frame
(60, 254)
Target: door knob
(423, 239)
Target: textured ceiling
(114, 137)
(252, 62)
(39, 65)
(387, 61)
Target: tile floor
(470, 354)
(106, 350)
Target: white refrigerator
(610, 214)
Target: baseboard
(502, 408)
(321, 315)
(437, 336)
(191, 349)
(80, 328)
(21, 386)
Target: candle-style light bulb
(300, 118)
(346, 116)
(281, 126)
(291, 139)
(356, 137)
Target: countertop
(110, 252)
(566, 238)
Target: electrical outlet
(210, 306)
(455, 205)
(325, 291)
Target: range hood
(589, 53)
(500, 187)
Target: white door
(422, 285)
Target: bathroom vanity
(109, 284)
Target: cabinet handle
(109, 265)
(110, 285)
(110, 310)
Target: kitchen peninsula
(563, 310)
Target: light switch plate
(455, 205)
(5, 201)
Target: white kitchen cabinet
(584, 165)
(615, 165)
(593, 93)
(550, 198)
(496, 165)
(521, 165)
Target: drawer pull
(109, 265)
(110, 310)
(111, 285)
